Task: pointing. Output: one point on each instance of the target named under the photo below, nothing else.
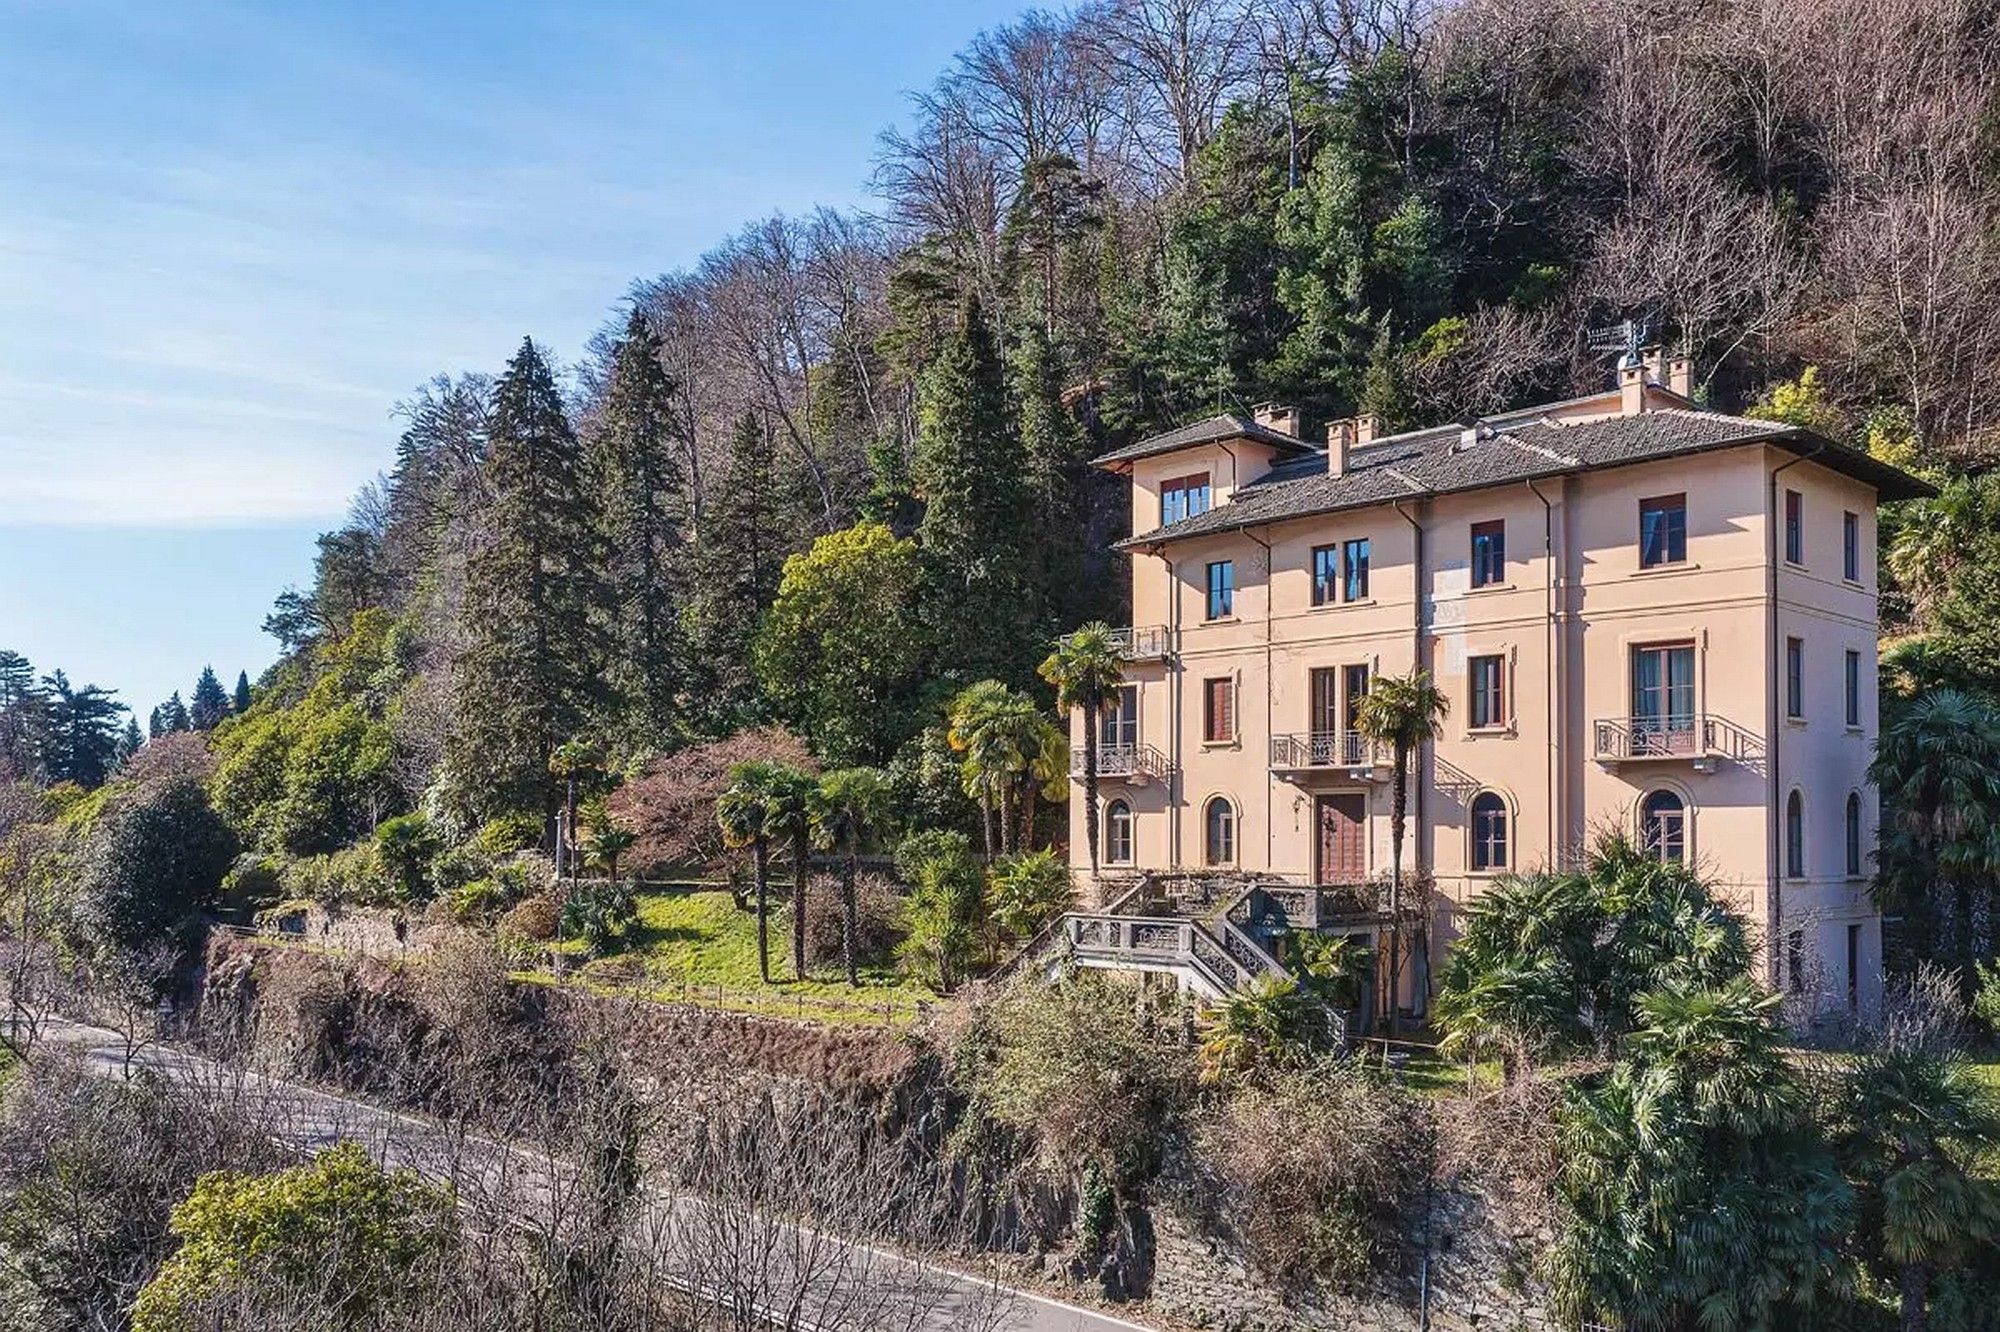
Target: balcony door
(1342, 853)
(1118, 723)
(1663, 699)
(1326, 715)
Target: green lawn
(698, 946)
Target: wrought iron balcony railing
(1121, 762)
(1144, 642)
(1696, 736)
(1324, 749)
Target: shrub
(340, 1225)
(477, 900)
(877, 909)
(1986, 997)
(352, 875)
(1028, 891)
(405, 845)
(599, 912)
(533, 920)
(1312, 1172)
(155, 861)
(509, 833)
(944, 912)
(252, 882)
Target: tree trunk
(800, 868)
(1090, 789)
(986, 821)
(566, 864)
(849, 923)
(760, 859)
(1010, 832)
(1399, 794)
(1913, 1283)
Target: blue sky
(232, 236)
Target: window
(1795, 527)
(1354, 570)
(1118, 833)
(1795, 678)
(1183, 497)
(1487, 677)
(1663, 698)
(1218, 710)
(1663, 827)
(1850, 547)
(1326, 575)
(1663, 531)
(1795, 836)
(1489, 553)
(1118, 724)
(1851, 683)
(1221, 589)
(1853, 834)
(1220, 821)
(1489, 832)
(1795, 961)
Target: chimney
(1631, 390)
(1655, 361)
(1276, 416)
(1367, 427)
(1680, 376)
(1339, 439)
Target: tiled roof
(1440, 462)
(1226, 426)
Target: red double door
(1342, 818)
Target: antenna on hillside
(1627, 337)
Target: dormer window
(1184, 497)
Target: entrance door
(1343, 837)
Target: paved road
(307, 1118)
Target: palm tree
(789, 820)
(850, 807)
(606, 844)
(1918, 1125)
(573, 760)
(743, 811)
(1404, 713)
(1938, 768)
(1002, 734)
(1086, 669)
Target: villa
(1646, 616)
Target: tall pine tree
(240, 702)
(981, 603)
(209, 703)
(528, 678)
(739, 558)
(636, 474)
(23, 718)
(83, 731)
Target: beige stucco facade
(1564, 613)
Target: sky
(232, 237)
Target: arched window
(1854, 834)
(1118, 833)
(1489, 832)
(1220, 820)
(1663, 826)
(1795, 836)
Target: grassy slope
(700, 940)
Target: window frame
(1224, 595)
(1187, 488)
(1656, 847)
(1489, 553)
(1795, 678)
(1486, 700)
(1795, 834)
(1117, 812)
(1850, 546)
(1673, 538)
(1211, 734)
(1489, 853)
(1326, 580)
(1227, 809)
(1850, 687)
(1353, 570)
(1795, 529)
(1851, 835)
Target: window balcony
(1699, 740)
(1144, 642)
(1306, 752)
(1136, 764)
